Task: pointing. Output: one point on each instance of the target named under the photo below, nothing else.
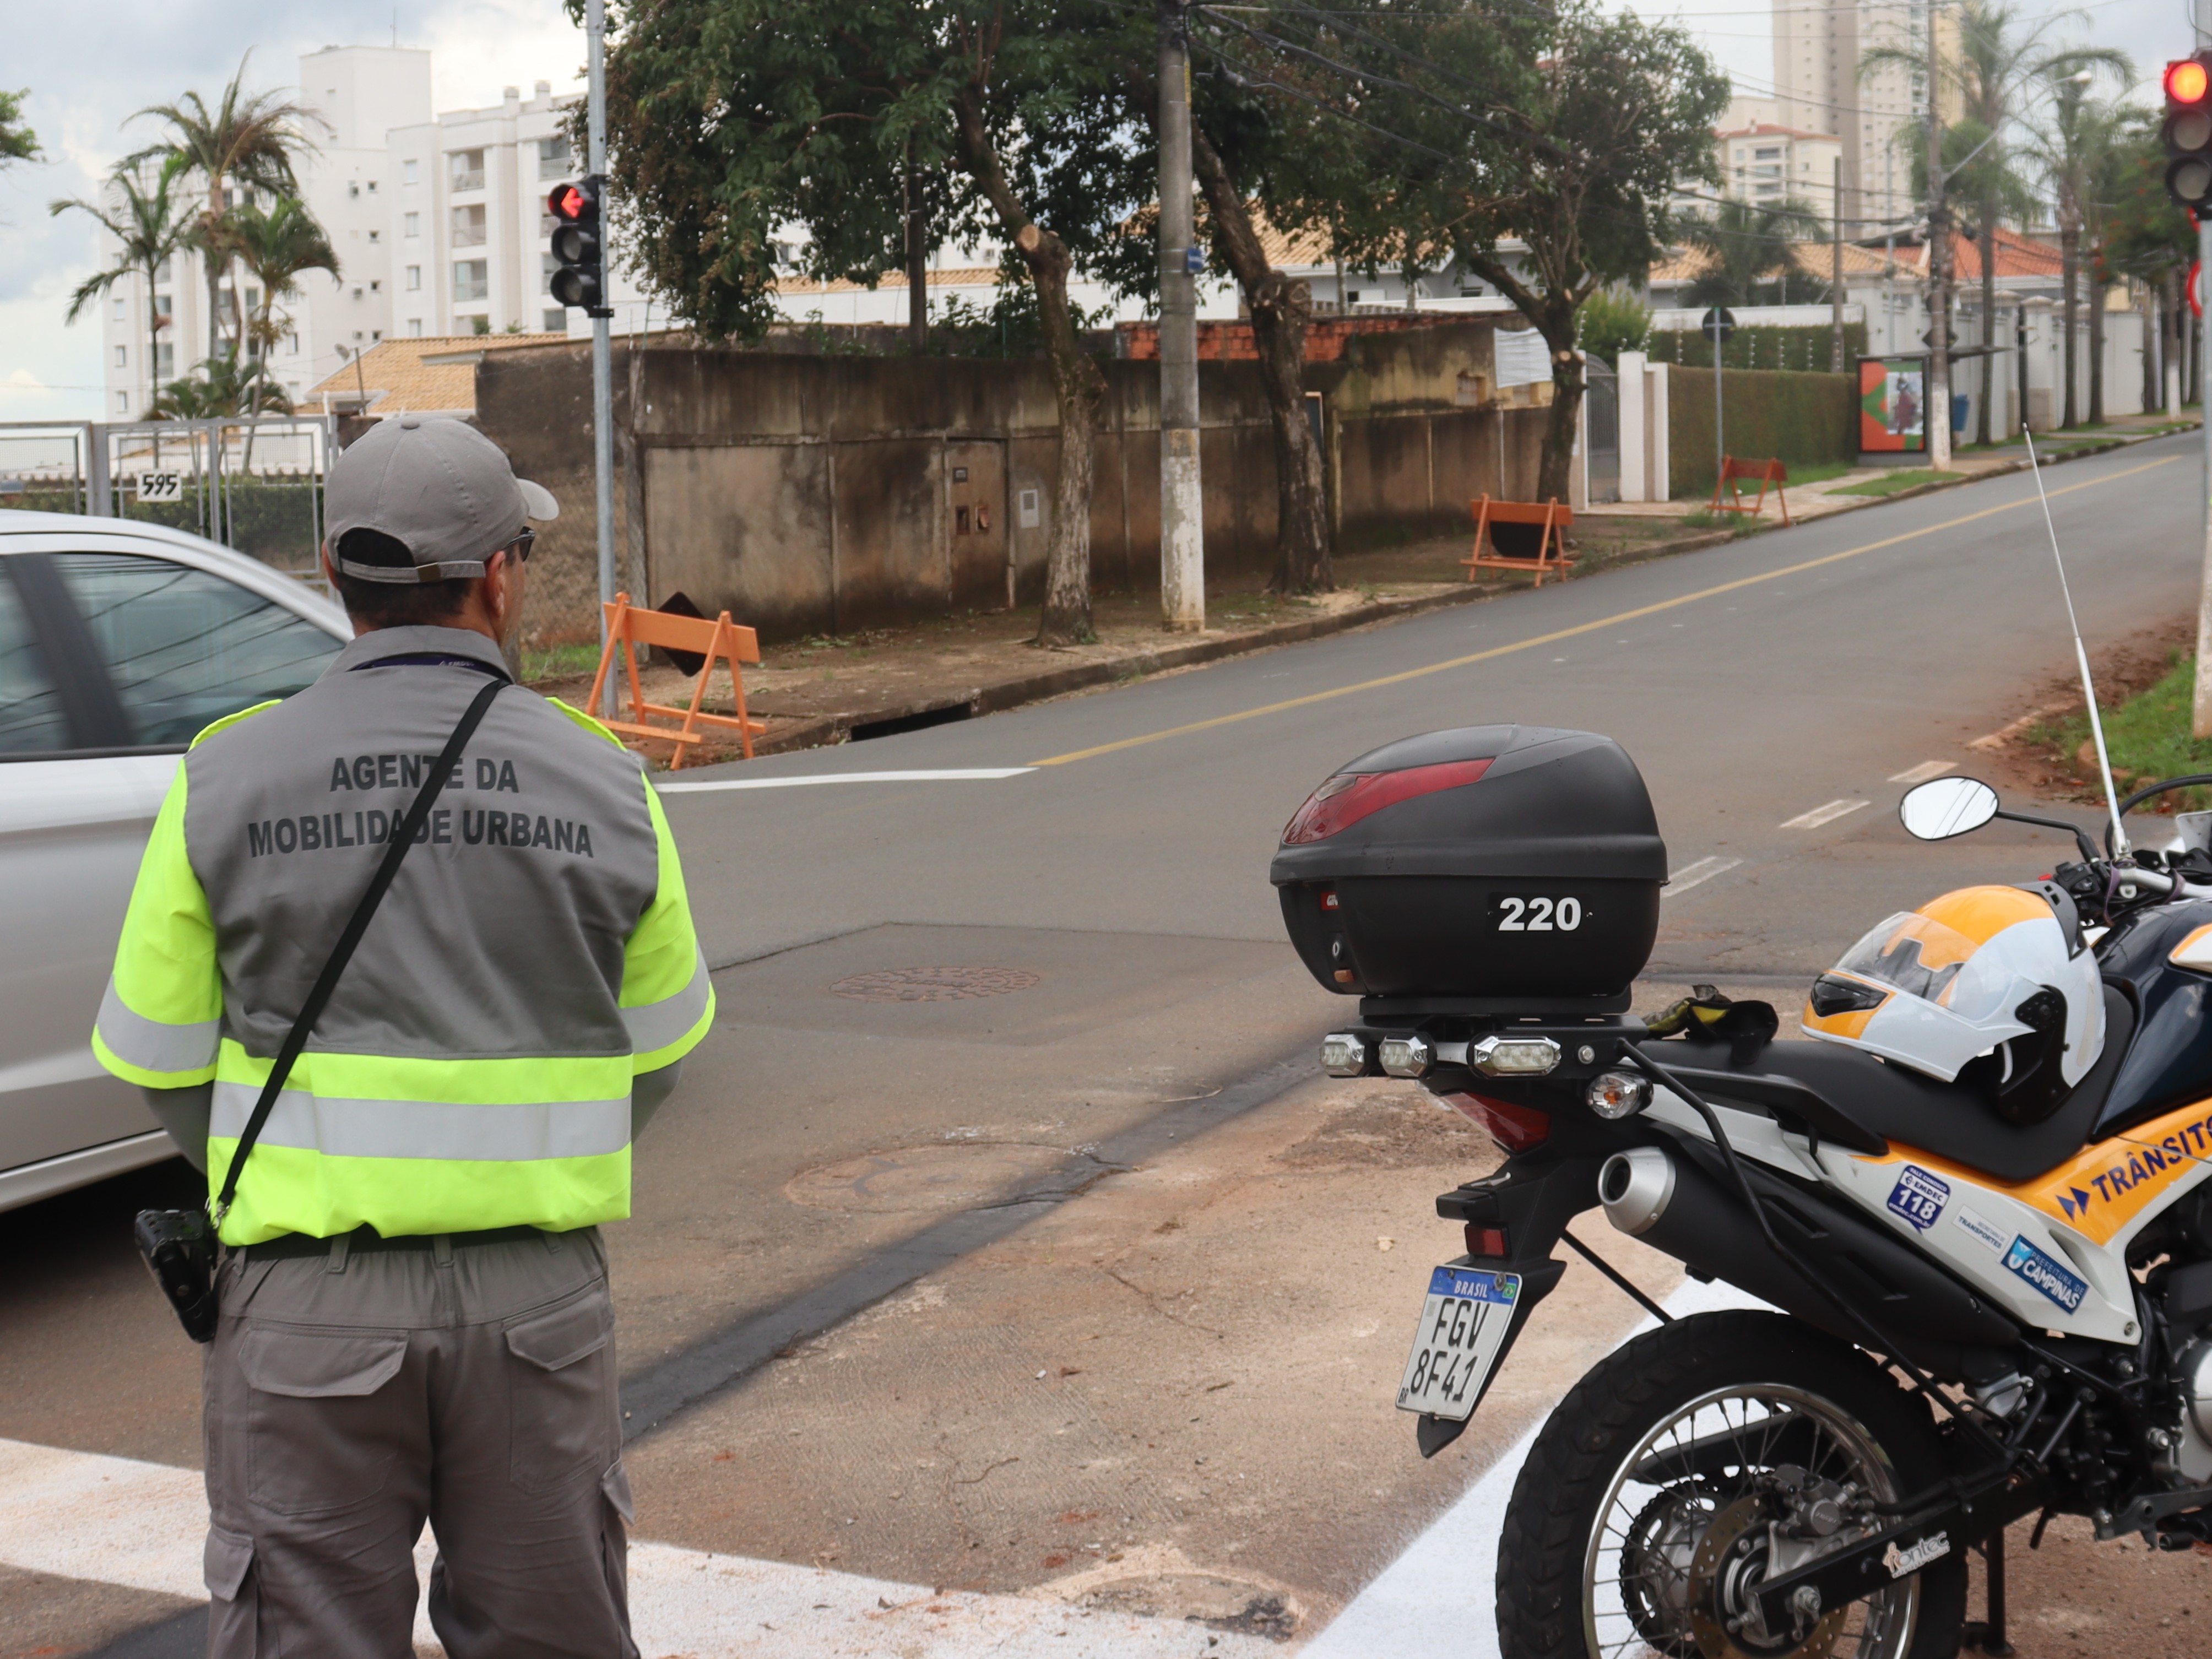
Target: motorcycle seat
(1900, 1105)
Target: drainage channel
(655, 1395)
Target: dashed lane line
(1924, 771)
(116, 1520)
(1821, 815)
(1690, 875)
(1590, 626)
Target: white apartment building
(1819, 47)
(1768, 163)
(358, 94)
(469, 228)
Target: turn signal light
(1616, 1095)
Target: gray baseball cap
(436, 485)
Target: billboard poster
(1892, 409)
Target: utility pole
(1183, 522)
(917, 261)
(603, 392)
(2201, 721)
(1835, 287)
(1936, 399)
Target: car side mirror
(1943, 807)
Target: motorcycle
(1990, 1295)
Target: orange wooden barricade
(630, 627)
(1552, 521)
(1735, 474)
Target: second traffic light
(579, 245)
(2187, 132)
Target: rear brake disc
(1729, 1566)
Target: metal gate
(1601, 430)
(255, 484)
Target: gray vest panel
(503, 934)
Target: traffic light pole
(1183, 522)
(2201, 722)
(602, 410)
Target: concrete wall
(814, 494)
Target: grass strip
(2147, 736)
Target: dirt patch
(2013, 757)
(1391, 1128)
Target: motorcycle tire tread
(1541, 1546)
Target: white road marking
(79, 1515)
(1690, 874)
(1924, 771)
(959, 776)
(1821, 815)
(1446, 1578)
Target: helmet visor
(1915, 954)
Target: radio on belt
(1489, 861)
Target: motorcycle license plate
(1463, 1329)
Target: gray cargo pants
(350, 1396)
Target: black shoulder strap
(403, 837)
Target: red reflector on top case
(1330, 810)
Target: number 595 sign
(160, 486)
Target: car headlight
(1344, 1053)
(1514, 1056)
(1406, 1056)
(1616, 1095)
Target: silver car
(118, 640)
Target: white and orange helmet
(1967, 975)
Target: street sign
(1718, 326)
(160, 486)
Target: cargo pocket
(233, 1597)
(318, 1437)
(561, 1393)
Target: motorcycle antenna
(2080, 656)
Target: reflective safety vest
(535, 953)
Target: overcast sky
(87, 67)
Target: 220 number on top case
(1538, 915)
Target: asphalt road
(1133, 1032)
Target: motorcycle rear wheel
(1600, 1557)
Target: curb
(828, 730)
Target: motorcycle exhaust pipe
(1661, 1196)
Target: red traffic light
(575, 203)
(2187, 81)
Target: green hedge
(1804, 349)
(1809, 419)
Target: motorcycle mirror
(1943, 807)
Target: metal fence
(255, 484)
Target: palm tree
(1748, 244)
(2109, 142)
(276, 245)
(1999, 60)
(246, 141)
(2064, 149)
(220, 389)
(148, 229)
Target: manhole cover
(958, 1176)
(933, 984)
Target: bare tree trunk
(917, 262)
(1077, 386)
(1988, 320)
(1556, 317)
(2070, 254)
(1282, 312)
(2096, 297)
(2152, 392)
